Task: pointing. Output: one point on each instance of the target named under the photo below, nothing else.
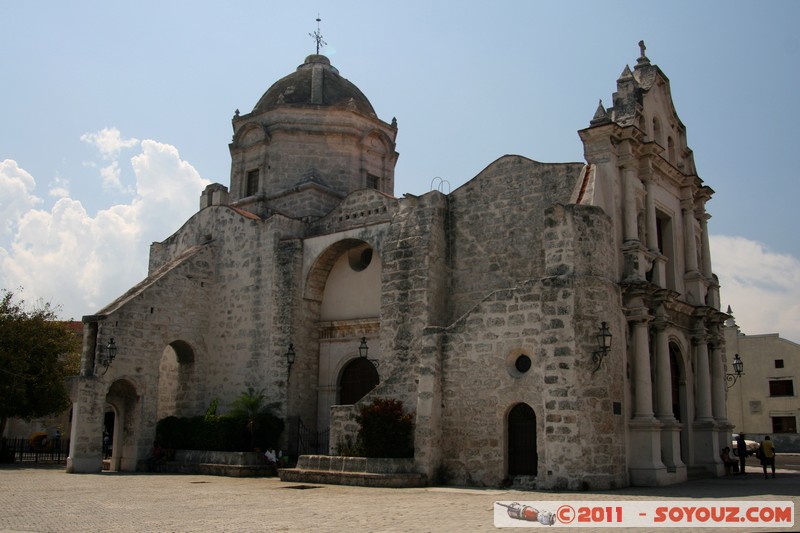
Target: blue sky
(115, 115)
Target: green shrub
(236, 432)
(386, 431)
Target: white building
(764, 400)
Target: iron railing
(311, 441)
(23, 451)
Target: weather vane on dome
(317, 36)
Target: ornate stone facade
(480, 308)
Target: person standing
(741, 451)
(767, 455)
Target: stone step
(216, 469)
(358, 471)
(360, 479)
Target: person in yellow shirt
(766, 452)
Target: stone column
(718, 407)
(671, 428)
(643, 387)
(86, 435)
(652, 227)
(89, 350)
(693, 279)
(706, 251)
(663, 372)
(631, 232)
(644, 454)
(705, 444)
(702, 378)
(659, 276)
(689, 244)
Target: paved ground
(46, 499)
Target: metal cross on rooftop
(317, 36)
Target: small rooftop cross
(642, 47)
(317, 36)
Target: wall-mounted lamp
(363, 350)
(603, 346)
(290, 356)
(107, 356)
(738, 367)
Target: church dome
(315, 82)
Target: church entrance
(358, 378)
(124, 403)
(108, 431)
(523, 460)
(678, 386)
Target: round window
(522, 364)
(360, 258)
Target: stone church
(555, 323)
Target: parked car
(751, 445)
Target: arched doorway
(358, 378)
(124, 402)
(678, 387)
(523, 460)
(343, 293)
(108, 431)
(675, 381)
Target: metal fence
(23, 451)
(311, 441)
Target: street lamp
(107, 356)
(738, 367)
(363, 350)
(603, 346)
(290, 357)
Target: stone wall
(495, 226)
(343, 426)
(216, 298)
(414, 285)
(553, 320)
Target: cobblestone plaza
(46, 499)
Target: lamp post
(107, 356)
(363, 350)
(738, 371)
(603, 346)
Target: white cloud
(82, 262)
(111, 177)
(162, 177)
(762, 287)
(59, 188)
(16, 195)
(109, 141)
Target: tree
(36, 354)
(250, 407)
